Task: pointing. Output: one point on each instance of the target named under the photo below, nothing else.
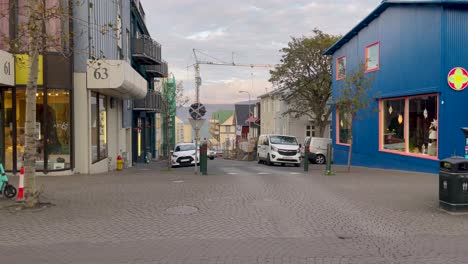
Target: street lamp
(249, 107)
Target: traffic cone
(20, 195)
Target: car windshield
(184, 148)
(283, 140)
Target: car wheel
(320, 159)
(259, 161)
(268, 162)
(211, 158)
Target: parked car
(281, 149)
(184, 154)
(317, 148)
(211, 154)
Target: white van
(281, 149)
(317, 148)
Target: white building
(273, 121)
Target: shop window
(20, 128)
(343, 128)
(414, 116)
(98, 127)
(423, 125)
(341, 68)
(59, 130)
(393, 122)
(372, 57)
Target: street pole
(197, 129)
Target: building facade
(414, 52)
(223, 129)
(90, 85)
(273, 120)
(179, 131)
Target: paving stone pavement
(247, 213)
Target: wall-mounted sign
(458, 78)
(7, 69)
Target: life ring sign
(458, 79)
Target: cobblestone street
(242, 212)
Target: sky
(250, 32)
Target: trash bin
(453, 184)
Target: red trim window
(343, 128)
(408, 126)
(373, 57)
(341, 68)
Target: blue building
(416, 53)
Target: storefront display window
(344, 128)
(393, 123)
(98, 126)
(372, 57)
(423, 125)
(59, 130)
(20, 128)
(415, 116)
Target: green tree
(354, 96)
(304, 76)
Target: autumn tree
(304, 77)
(354, 97)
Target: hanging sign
(458, 79)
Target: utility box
(453, 184)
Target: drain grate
(182, 210)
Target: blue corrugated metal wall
(410, 63)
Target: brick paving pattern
(247, 213)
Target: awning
(7, 69)
(116, 78)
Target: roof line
(376, 13)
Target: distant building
(273, 120)
(223, 129)
(179, 131)
(188, 130)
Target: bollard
(306, 159)
(204, 158)
(119, 163)
(20, 196)
(329, 158)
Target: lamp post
(249, 107)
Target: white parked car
(281, 149)
(184, 154)
(211, 154)
(317, 148)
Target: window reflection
(59, 130)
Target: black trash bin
(453, 184)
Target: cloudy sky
(248, 31)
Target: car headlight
(274, 148)
(174, 156)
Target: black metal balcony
(160, 71)
(151, 103)
(146, 50)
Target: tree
(172, 99)
(304, 77)
(354, 96)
